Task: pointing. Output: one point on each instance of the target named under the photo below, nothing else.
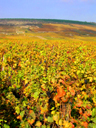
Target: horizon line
(48, 19)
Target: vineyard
(47, 84)
(47, 74)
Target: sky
(79, 10)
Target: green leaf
(33, 116)
(1, 120)
(53, 112)
(6, 126)
(24, 103)
(94, 126)
(50, 119)
(36, 95)
(52, 108)
(94, 120)
(80, 48)
(90, 125)
(48, 126)
(95, 78)
(43, 126)
(27, 125)
(94, 112)
(38, 124)
(22, 113)
(17, 109)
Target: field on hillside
(47, 75)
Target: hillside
(49, 29)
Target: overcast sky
(81, 10)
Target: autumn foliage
(47, 84)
